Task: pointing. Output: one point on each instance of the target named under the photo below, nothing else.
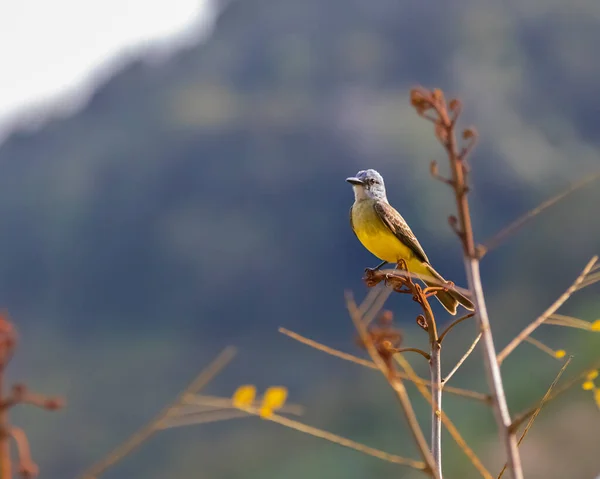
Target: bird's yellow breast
(376, 236)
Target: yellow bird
(383, 231)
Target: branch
(551, 310)
(571, 322)
(149, 429)
(27, 468)
(461, 361)
(454, 323)
(200, 418)
(539, 408)
(371, 365)
(433, 101)
(397, 386)
(499, 237)
(414, 350)
(558, 354)
(523, 416)
(342, 441)
(405, 365)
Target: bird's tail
(450, 299)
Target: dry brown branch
(414, 350)
(27, 468)
(136, 440)
(342, 441)
(396, 279)
(539, 407)
(499, 237)
(542, 347)
(454, 323)
(402, 282)
(19, 395)
(398, 387)
(591, 279)
(510, 347)
(371, 365)
(408, 370)
(461, 361)
(432, 106)
(200, 418)
(199, 403)
(571, 322)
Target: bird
(385, 233)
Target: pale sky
(52, 48)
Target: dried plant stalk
(371, 365)
(136, 440)
(404, 364)
(546, 314)
(432, 106)
(398, 387)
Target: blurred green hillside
(201, 202)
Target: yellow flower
(560, 353)
(597, 397)
(274, 398)
(596, 325)
(591, 375)
(588, 386)
(244, 396)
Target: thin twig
(397, 386)
(571, 322)
(149, 429)
(541, 346)
(551, 310)
(461, 361)
(27, 468)
(376, 305)
(523, 416)
(200, 418)
(342, 441)
(372, 295)
(405, 365)
(544, 399)
(216, 402)
(414, 350)
(499, 237)
(454, 323)
(539, 407)
(591, 279)
(371, 365)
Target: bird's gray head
(368, 184)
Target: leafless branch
(510, 347)
(499, 237)
(432, 103)
(149, 429)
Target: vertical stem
(5, 465)
(471, 259)
(436, 405)
(493, 370)
(435, 368)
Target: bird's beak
(355, 181)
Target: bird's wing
(394, 221)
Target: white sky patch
(54, 49)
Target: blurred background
(173, 182)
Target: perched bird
(383, 231)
